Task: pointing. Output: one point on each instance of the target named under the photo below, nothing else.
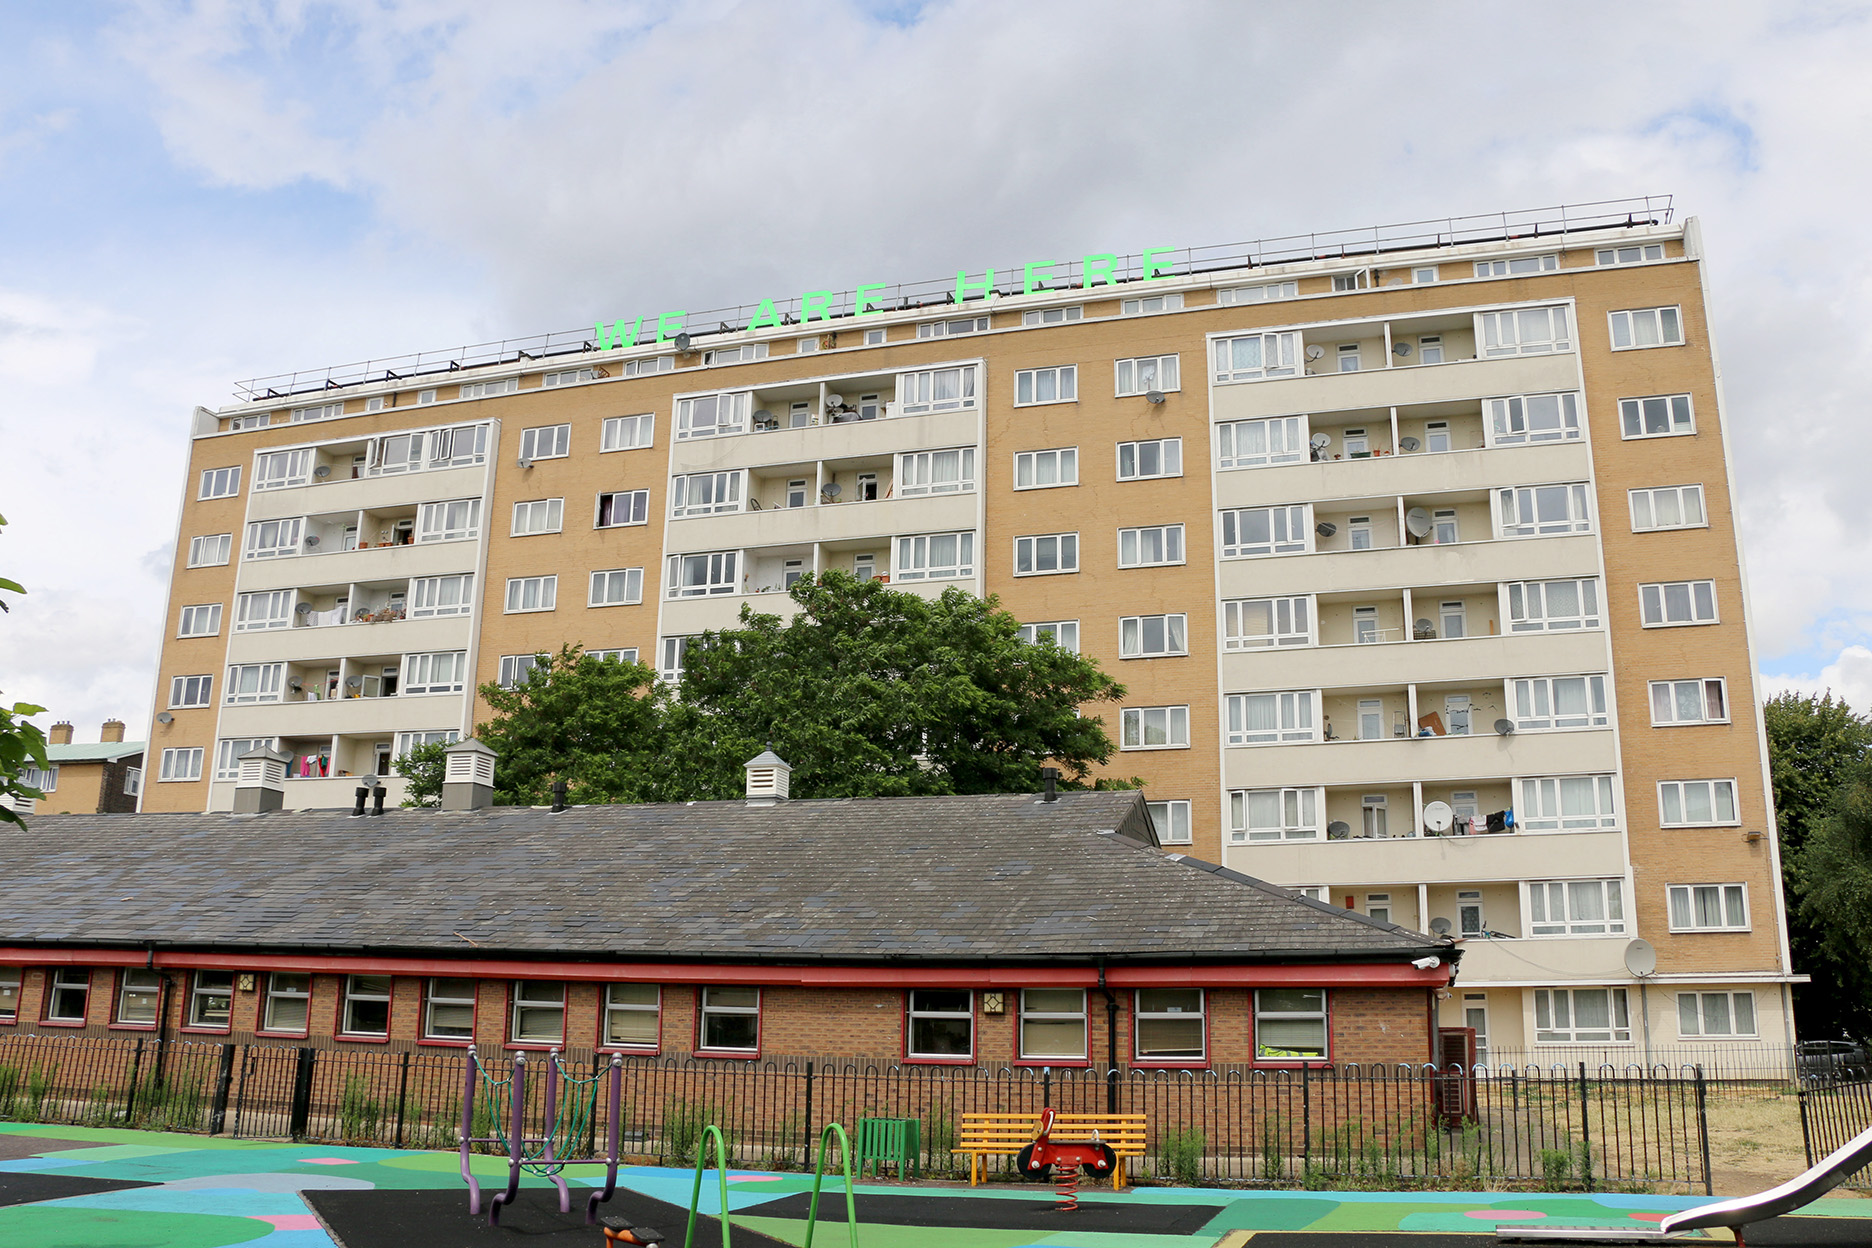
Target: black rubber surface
(18, 1147)
(18, 1187)
(1111, 1217)
(439, 1218)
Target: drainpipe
(1111, 1042)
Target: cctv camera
(1427, 964)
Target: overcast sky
(192, 194)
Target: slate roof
(94, 752)
(1006, 878)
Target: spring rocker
(1063, 1161)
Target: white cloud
(1849, 677)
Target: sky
(192, 194)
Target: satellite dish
(763, 416)
(1338, 830)
(354, 682)
(1441, 926)
(1154, 396)
(832, 489)
(1320, 441)
(1325, 528)
(1504, 727)
(525, 462)
(1409, 444)
(1417, 520)
(322, 471)
(1423, 630)
(835, 400)
(682, 342)
(1437, 816)
(304, 608)
(1401, 349)
(1315, 351)
(1640, 957)
(312, 539)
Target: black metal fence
(1349, 1126)
(1832, 1112)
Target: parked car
(1831, 1061)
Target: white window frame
(1685, 903)
(1289, 527)
(648, 366)
(1584, 803)
(452, 520)
(1529, 419)
(1262, 443)
(1151, 546)
(219, 483)
(671, 655)
(322, 411)
(1540, 330)
(1136, 633)
(181, 763)
(1063, 633)
(1693, 1023)
(1423, 274)
(211, 1000)
(1171, 818)
(1636, 253)
(543, 591)
(708, 1008)
(922, 392)
(1289, 620)
(274, 539)
(1667, 701)
(745, 353)
(1645, 506)
(490, 389)
(1663, 325)
(538, 515)
(1151, 1005)
(704, 574)
(1677, 793)
(515, 668)
(1031, 468)
(531, 1003)
(1535, 701)
(1150, 305)
(211, 551)
(1163, 370)
(451, 998)
(1301, 815)
(61, 980)
(296, 988)
(1137, 723)
(228, 751)
(267, 683)
(1283, 348)
(627, 433)
(952, 328)
(278, 470)
(1029, 1013)
(1034, 551)
(133, 782)
(1675, 412)
(1573, 908)
(434, 671)
(633, 505)
(357, 993)
(876, 337)
(264, 609)
(727, 415)
(1258, 294)
(1656, 604)
(950, 470)
(614, 1010)
(706, 493)
(427, 593)
(1516, 266)
(1264, 1013)
(201, 620)
(1518, 598)
(566, 377)
(616, 587)
(1297, 717)
(1553, 1005)
(913, 562)
(1032, 386)
(918, 1006)
(407, 741)
(1052, 316)
(191, 691)
(1134, 459)
(1522, 511)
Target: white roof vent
(769, 779)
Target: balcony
(1447, 859)
(298, 645)
(856, 439)
(826, 522)
(1451, 382)
(1456, 563)
(1401, 760)
(343, 716)
(1406, 660)
(1392, 475)
(378, 563)
(367, 493)
(1594, 959)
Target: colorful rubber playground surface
(80, 1187)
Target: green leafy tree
(1814, 743)
(22, 744)
(591, 722)
(423, 767)
(1836, 897)
(870, 691)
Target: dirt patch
(1756, 1143)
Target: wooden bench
(1003, 1135)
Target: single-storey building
(1025, 929)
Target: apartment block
(1413, 548)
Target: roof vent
(261, 786)
(468, 776)
(769, 779)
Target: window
(1274, 815)
(731, 1020)
(1712, 1014)
(1052, 1024)
(1667, 507)
(628, 507)
(211, 999)
(209, 552)
(936, 472)
(1430, 351)
(1576, 908)
(427, 449)
(1647, 327)
(1251, 531)
(1543, 510)
(1523, 418)
(68, 995)
(1359, 533)
(1147, 373)
(449, 1008)
(1423, 275)
(407, 741)
(137, 994)
(632, 1016)
(1516, 266)
(441, 595)
(1708, 907)
(515, 669)
(1048, 553)
(1155, 728)
(675, 650)
(489, 389)
(366, 1010)
(1524, 331)
(1378, 905)
(532, 593)
(288, 1003)
(1581, 1016)
(270, 608)
(538, 1012)
(712, 415)
(133, 782)
(425, 397)
(1256, 623)
(1062, 633)
(1566, 804)
(1172, 821)
(1674, 603)
(1257, 357)
(1033, 386)
(453, 521)
(1696, 803)
(1258, 443)
(1153, 546)
(1290, 1023)
(9, 993)
(1659, 416)
(187, 691)
(1271, 718)
(1436, 437)
(273, 539)
(43, 779)
(875, 337)
(931, 556)
(220, 482)
(616, 587)
(181, 764)
(796, 493)
(1141, 461)
(626, 433)
(941, 1023)
(277, 469)
(255, 682)
(1551, 702)
(1170, 1025)
(697, 576)
(1636, 254)
(936, 390)
(541, 515)
(746, 353)
(1052, 316)
(1469, 913)
(1036, 470)
(1689, 702)
(1364, 626)
(1258, 294)
(228, 751)
(1151, 636)
(1155, 303)
(1351, 281)
(1548, 606)
(1444, 528)
(699, 494)
(644, 368)
(260, 420)
(810, 345)
(950, 329)
(1348, 357)
(441, 671)
(566, 377)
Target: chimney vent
(468, 780)
(262, 784)
(769, 779)
(61, 733)
(112, 731)
(1050, 775)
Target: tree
(1814, 743)
(1836, 897)
(870, 691)
(22, 744)
(424, 767)
(588, 721)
